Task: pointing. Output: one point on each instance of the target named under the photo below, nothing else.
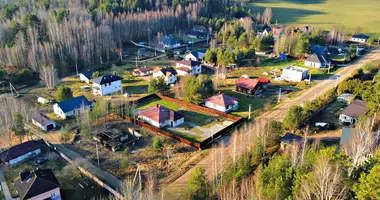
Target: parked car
(40, 161)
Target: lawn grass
(324, 13)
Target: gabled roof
(200, 54)
(356, 109)
(319, 50)
(36, 183)
(247, 83)
(184, 69)
(222, 100)
(19, 150)
(189, 63)
(167, 71)
(290, 138)
(361, 36)
(144, 69)
(315, 58)
(107, 79)
(73, 103)
(160, 113)
(88, 73)
(41, 119)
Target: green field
(324, 13)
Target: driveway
(4, 185)
(278, 113)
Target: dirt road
(280, 111)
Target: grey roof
(36, 183)
(356, 109)
(88, 73)
(106, 79)
(73, 103)
(19, 150)
(41, 119)
(318, 59)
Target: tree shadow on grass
(138, 89)
(286, 15)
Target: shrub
(126, 151)
(124, 163)
(157, 143)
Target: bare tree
(48, 74)
(267, 16)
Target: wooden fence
(200, 145)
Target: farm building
(185, 67)
(351, 114)
(20, 152)
(169, 73)
(294, 74)
(43, 122)
(38, 185)
(160, 116)
(264, 82)
(248, 86)
(143, 71)
(361, 38)
(222, 102)
(106, 85)
(86, 76)
(71, 107)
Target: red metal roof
(160, 113)
(263, 80)
(247, 83)
(222, 100)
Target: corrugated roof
(222, 100)
(356, 109)
(19, 150)
(73, 103)
(247, 83)
(160, 113)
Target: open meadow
(324, 13)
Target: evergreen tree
(63, 93)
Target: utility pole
(279, 96)
(309, 79)
(13, 89)
(76, 68)
(97, 153)
(336, 81)
(328, 71)
(249, 111)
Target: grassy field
(324, 13)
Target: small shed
(290, 140)
(346, 98)
(42, 100)
(43, 122)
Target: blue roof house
(72, 107)
(319, 50)
(170, 42)
(195, 55)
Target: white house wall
(312, 64)
(214, 106)
(83, 78)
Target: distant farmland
(325, 13)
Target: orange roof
(247, 83)
(263, 80)
(222, 100)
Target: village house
(277, 32)
(72, 107)
(160, 116)
(41, 184)
(248, 86)
(222, 102)
(105, 85)
(86, 76)
(43, 122)
(318, 61)
(351, 113)
(200, 28)
(195, 55)
(20, 152)
(170, 42)
(169, 74)
(361, 38)
(143, 71)
(185, 67)
(294, 74)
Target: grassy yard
(324, 13)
